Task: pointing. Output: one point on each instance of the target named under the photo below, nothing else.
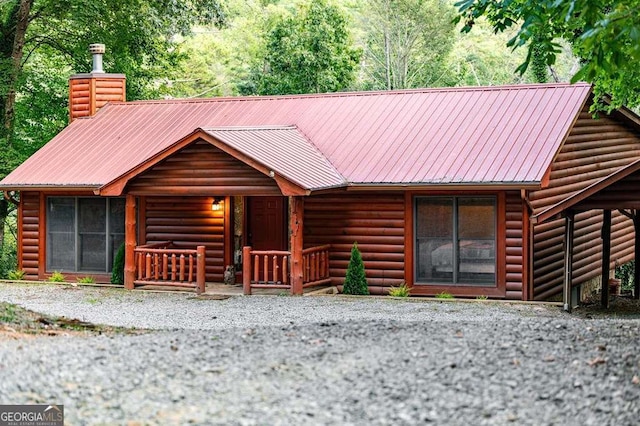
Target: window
(83, 233)
(455, 240)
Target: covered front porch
(256, 241)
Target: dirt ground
(19, 323)
(619, 307)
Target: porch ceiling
(619, 190)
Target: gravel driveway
(322, 360)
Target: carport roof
(619, 190)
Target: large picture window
(455, 240)
(83, 233)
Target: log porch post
(296, 216)
(568, 258)
(246, 270)
(200, 269)
(606, 256)
(130, 241)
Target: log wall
(374, 221)
(29, 234)
(514, 247)
(202, 169)
(594, 149)
(187, 222)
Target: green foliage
(57, 277)
(117, 271)
(8, 247)
(355, 281)
(482, 297)
(308, 50)
(407, 42)
(401, 291)
(17, 275)
(86, 280)
(605, 35)
(444, 295)
(625, 273)
(8, 313)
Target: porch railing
(162, 264)
(270, 268)
(315, 266)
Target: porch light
(216, 205)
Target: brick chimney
(90, 92)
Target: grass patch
(17, 275)
(56, 277)
(401, 291)
(16, 322)
(444, 295)
(87, 280)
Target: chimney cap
(97, 48)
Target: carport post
(568, 258)
(606, 256)
(636, 271)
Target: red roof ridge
(529, 86)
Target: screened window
(455, 240)
(83, 233)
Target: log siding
(514, 246)
(594, 149)
(188, 222)
(201, 169)
(30, 235)
(375, 221)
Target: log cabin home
(513, 192)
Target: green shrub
(17, 275)
(625, 274)
(482, 297)
(56, 277)
(402, 291)
(117, 272)
(444, 295)
(86, 280)
(356, 281)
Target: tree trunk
(21, 21)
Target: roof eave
(45, 187)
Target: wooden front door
(266, 223)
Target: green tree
(407, 42)
(605, 34)
(308, 50)
(355, 281)
(43, 41)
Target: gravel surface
(322, 360)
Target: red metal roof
(474, 135)
(285, 151)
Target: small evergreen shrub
(117, 272)
(86, 280)
(402, 291)
(17, 275)
(355, 281)
(57, 277)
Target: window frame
(76, 234)
(430, 289)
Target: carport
(619, 191)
